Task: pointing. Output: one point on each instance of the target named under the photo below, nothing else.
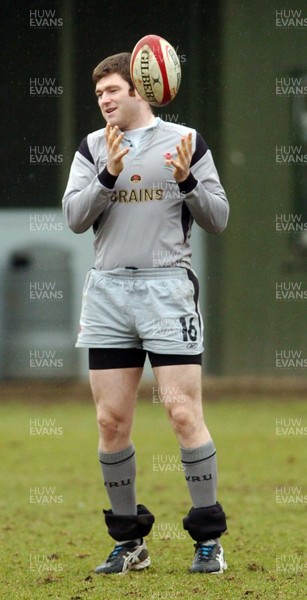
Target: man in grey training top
(140, 183)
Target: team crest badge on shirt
(135, 178)
(168, 156)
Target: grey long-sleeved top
(143, 218)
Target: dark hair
(118, 63)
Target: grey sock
(201, 473)
(118, 471)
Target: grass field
(52, 495)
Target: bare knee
(114, 429)
(188, 424)
(182, 418)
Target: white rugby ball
(155, 70)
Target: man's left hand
(184, 155)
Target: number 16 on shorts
(189, 331)
(185, 330)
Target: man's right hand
(114, 138)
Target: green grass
(264, 536)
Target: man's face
(118, 104)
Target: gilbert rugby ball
(155, 70)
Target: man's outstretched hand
(184, 156)
(114, 138)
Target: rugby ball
(155, 70)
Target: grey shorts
(151, 309)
